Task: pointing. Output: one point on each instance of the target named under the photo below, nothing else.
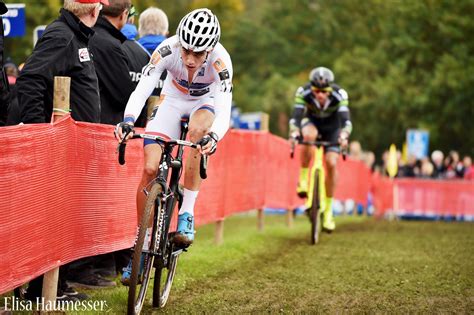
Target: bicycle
(317, 191)
(161, 254)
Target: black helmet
(321, 77)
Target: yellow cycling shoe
(328, 222)
(302, 189)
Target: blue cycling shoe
(127, 272)
(185, 233)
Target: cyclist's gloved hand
(122, 129)
(208, 143)
(343, 139)
(295, 133)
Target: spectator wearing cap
(111, 62)
(4, 91)
(62, 50)
(115, 86)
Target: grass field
(365, 266)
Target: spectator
(12, 72)
(468, 168)
(410, 169)
(138, 57)
(427, 169)
(111, 62)
(369, 160)
(129, 29)
(115, 86)
(453, 165)
(4, 91)
(437, 158)
(152, 28)
(355, 150)
(62, 50)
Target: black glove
(210, 137)
(126, 128)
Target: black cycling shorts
(328, 129)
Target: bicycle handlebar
(162, 141)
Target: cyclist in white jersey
(198, 85)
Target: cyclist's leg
(200, 123)
(330, 132)
(309, 133)
(166, 123)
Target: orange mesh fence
(353, 181)
(431, 198)
(66, 196)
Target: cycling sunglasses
(319, 90)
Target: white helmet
(199, 30)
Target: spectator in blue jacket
(152, 28)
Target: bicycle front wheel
(142, 257)
(314, 211)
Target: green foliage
(405, 64)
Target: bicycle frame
(170, 194)
(318, 165)
(162, 194)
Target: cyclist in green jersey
(321, 111)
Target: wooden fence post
(289, 218)
(219, 234)
(264, 126)
(260, 220)
(61, 103)
(62, 86)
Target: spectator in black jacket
(12, 72)
(4, 95)
(62, 50)
(115, 86)
(111, 62)
(138, 57)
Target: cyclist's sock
(304, 174)
(328, 208)
(189, 199)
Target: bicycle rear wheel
(314, 211)
(139, 282)
(164, 276)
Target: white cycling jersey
(211, 88)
